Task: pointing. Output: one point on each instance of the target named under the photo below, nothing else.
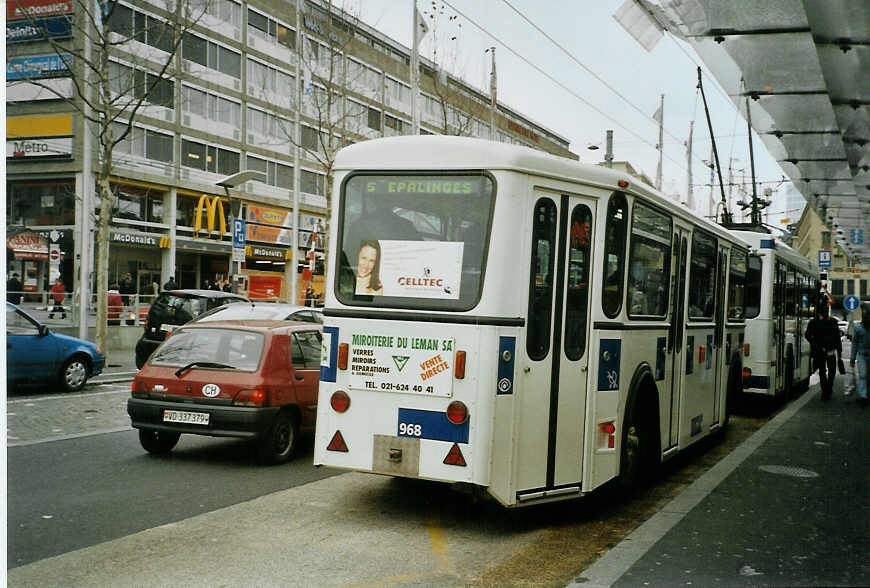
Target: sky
(579, 105)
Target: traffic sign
(851, 302)
(239, 233)
(825, 257)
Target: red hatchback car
(249, 379)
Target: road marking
(68, 396)
(66, 437)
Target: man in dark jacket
(13, 289)
(826, 349)
(170, 284)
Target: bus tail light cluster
(702, 354)
(339, 401)
(457, 412)
(607, 434)
(455, 457)
(342, 355)
(747, 373)
(746, 350)
(337, 443)
(459, 367)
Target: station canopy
(805, 67)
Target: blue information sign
(850, 302)
(239, 233)
(825, 258)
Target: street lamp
(608, 154)
(235, 181)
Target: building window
(211, 106)
(264, 78)
(144, 143)
(311, 183)
(225, 10)
(144, 28)
(310, 141)
(374, 119)
(137, 205)
(41, 203)
(126, 80)
(836, 287)
(277, 174)
(269, 125)
(212, 55)
(208, 158)
(263, 27)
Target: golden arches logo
(212, 206)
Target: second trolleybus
(518, 322)
(782, 290)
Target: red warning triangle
(337, 443)
(454, 456)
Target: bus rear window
(414, 241)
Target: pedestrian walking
(861, 353)
(170, 284)
(13, 289)
(58, 293)
(114, 305)
(826, 349)
(127, 288)
(227, 287)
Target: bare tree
(110, 96)
(456, 108)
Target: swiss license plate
(181, 416)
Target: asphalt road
(68, 494)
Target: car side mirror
(43, 330)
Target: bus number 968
(410, 429)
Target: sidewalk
(789, 507)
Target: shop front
(139, 255)
(28, 256)
(267, 272)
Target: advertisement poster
(264, 287)
(401, 363)
(412, 269)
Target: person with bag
(861, 352)
(826, 349)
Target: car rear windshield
(180, 309)
(243, 312)
(414, 240)
(235, 348)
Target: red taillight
(342, 356)
(747, 373)
(254, 397)
(339, 401)
(457, 412)
(746, 349)
(459, 368)
(702, 354)
(608, 428)
(138, 388)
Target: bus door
(552, 400)
(779, 324)
(718, 360)
(677, 331)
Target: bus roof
(415, 153)
(780, 248)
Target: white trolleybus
(782, 289)
(518, 322)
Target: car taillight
(254, 397)
(747, 373)
(457, 412)
(138, 388)
(339, 401)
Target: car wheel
(158, 442)
(74, 373)
(278, 443)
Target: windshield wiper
(210, 364)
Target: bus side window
(702, 276)
(577, 293)
(541, 282)
(649, 262)
(614, 254)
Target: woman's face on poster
(368, 256)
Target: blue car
(34, 353)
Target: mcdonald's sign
(211, 206)
(165, 242)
